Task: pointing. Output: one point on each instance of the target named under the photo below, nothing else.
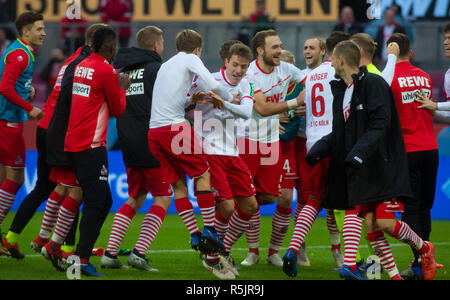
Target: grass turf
(171, 254)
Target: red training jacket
(95, 95)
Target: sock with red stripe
(121, 223)
(8, 192)
(237, 226)
(280, 224)
(405, 234)
(351, 232)
(150, 227)
(298, 209)
(335, 235)
(252, 232)
(206, 203)
(221, 224)
(186, 212)
(50, 215)
(382, 249)
(66, 217)
(304, 222)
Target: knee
(386, 225)
(249, 205)
(267, 199)
(226, 208)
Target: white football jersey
(219, 126)
(172, 84)
(274, 86)
(319, 103)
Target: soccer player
(260, 146)
(354, 223)
(230, 176)
(63, 209)
(292, 124)
(171, 137)
(16, 72)
(44, 187)
(368, 163)
(184, 207)
(144, 172)
(97, 93)
(421, 145)
(318, 101)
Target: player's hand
(235, 100)
(32, 93)
(301, 98)
(284, 118)
(199, 97)
(426, 102)
(36, 113)
(281, 130)
(216, 100)
(393, 48)
(124, 81)
(300, 111)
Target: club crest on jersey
(103, 173)
(19, 160)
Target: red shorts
(148, 179)
(303, 192)
(12, 145)
(317, 178)
(65, 176)
(178, 151)
(230, 177)
(265, 165)
(381, 209)
(289, 165)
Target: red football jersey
(49, 106)
(95, 95)
(417, 124)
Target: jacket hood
(127, 57)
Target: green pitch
(171, 254)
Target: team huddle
(247, 135)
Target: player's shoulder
(17, 55)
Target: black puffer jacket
(142, 66)
(367, 153)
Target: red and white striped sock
(121, 223)
(405, 234)
(237, 226)
(298, 209)
(382, 249)
(335, 235)
(206, 204)
(150, 227)
(8, 192)
(280, 224)
(66, 217)
(50, 215)
(186, 212)
(351, 233)
(252, 232)
(304, 222)
(221, 224)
